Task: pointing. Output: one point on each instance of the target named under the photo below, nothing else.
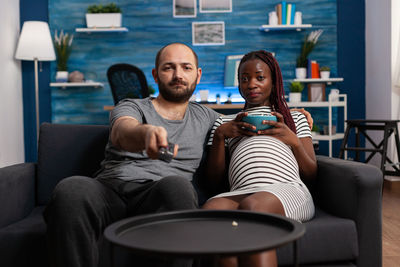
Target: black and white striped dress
(264, 163)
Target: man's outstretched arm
(129, 134)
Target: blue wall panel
(151, 26)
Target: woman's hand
(280, 131)
(236, 128)
(310, 120)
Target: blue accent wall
(34, 10)
(151, 25)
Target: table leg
(295, 254)
(111, 255)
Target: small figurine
(229, 101)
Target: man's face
(177, 74)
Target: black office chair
(127, 81)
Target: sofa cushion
(327, 239)
(17, 192)
(67, 150)
(23, 243)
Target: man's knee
(72, 196)
(178, 192)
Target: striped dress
(265, 164)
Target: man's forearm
(129, 135)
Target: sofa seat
(23, 243)
(334, 239)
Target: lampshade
(35, 42)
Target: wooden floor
(391, 224)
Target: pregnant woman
(266, 169)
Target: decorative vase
(103, 20)
(325, 74)
(273, 18)
(301, 73)
(62, 76)
(76, 77)
(298, 18)
(203, 96)
(294, 97)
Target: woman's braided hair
(277, 97)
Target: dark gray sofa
(346, 230)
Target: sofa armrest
(17, 192)
(353, 190)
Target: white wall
(395, 59)
(382, 48)
(378, 58)
(11, 116)
(395, 71)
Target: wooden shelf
(113, 29)
(212, 106)
(267, 28)
(319, 80)
(307, 104)
(325, 137)
(83, 84)
(225, 106)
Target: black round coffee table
(202, 233)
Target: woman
(266, 169)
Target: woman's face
(255, 83)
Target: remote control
(166, 153)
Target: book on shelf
(288, 13)
(293, 11)
(312, 69)
(278, 9)
(285, 12)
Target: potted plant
(62, 45)
(325, 72)
(315, 130)
(152, 91)
(302, 60)
(295, 91)
(103, 16)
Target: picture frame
(208, 33)
(316, 92)
(215, 6)
(184, 8)
(231, 69)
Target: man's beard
(181, 95)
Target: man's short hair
(157, 63)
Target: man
(132, 179)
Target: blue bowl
(257, 120)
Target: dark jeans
(81, 208)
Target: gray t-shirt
(190, 134)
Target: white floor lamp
(35, 44)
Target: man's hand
(310, 120)
(156, 137)
(130, 135)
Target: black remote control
(166, 153)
